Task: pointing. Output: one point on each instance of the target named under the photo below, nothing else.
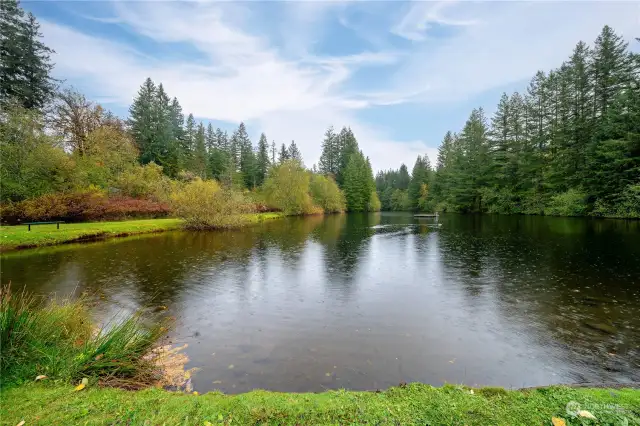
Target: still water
(368, 301)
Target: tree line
(569, 145)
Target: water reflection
(367, 301)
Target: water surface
(368, 301)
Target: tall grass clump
(56, 339)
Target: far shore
(18, 237)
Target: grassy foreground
(411, 404)
(18, 237)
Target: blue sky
(400, 74)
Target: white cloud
(422, 15)
(509, 43)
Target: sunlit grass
(414, 404)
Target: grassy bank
(19, 237)
(412, 404)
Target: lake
(366, 301)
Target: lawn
(18, 237)
(15, 237)
(406, 405)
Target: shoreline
(416, 403)
(17, 237)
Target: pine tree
(330, 158)
(358, 183)
(294, 153)
(199, 166)
(262, 158)
(175, 159)
(219, 158)
(142, 120)
(420, 180)
(347, 145)
(246, 157)
(284, 154)
(210, 138)
(25, 62)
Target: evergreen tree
(199, 166)
(247, 158)
(347, 145)
(25, 62)
(330, 158)
(263, 162)
(210, 138)
(294, 153)
(284, 154)
(142, 120)
(357, 183)
(420, 180)
(219, 158)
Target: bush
(146, 181)
(326, 194)
(626, 206)
(82, 206)
(569, 203)
(56, 339)
(287, 189)
(374, 202)
(205, 205)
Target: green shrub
(374, 202)
(287, 189)
(569, 203)
(204, 204)
(326, 194)
(146, 181)
(627, 205)
(56, 339)
(400, 200)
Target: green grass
(18, 237)
(56, 339)
(413, 404)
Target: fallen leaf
(217, 382)
(586, 415)
(196, 393)
(99, 357)
(21, 423)
(85, 381)
(557, 421)
(452, 361)
(328, 374)
(79, 387)
(41, 377)
(230, 367)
